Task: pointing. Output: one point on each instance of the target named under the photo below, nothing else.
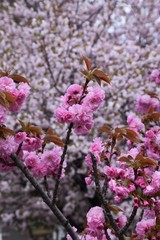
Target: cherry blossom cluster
(144, 102)
(78, 108)
(155, 76)
(135, 174)
(128, 50)
(19, 92)
(41, 163)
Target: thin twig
(19, 148)
(53, 207)
(61, 162)
(130, 220)
(65, 149)
(106, 233)
(46, 186)
(49, 68)
(103, 202)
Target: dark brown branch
(63, 221)
(46, 186)
(19, 148)
(65, 149)
(103, 202)
(106, 233)
(61, 162)
(130, 220)
(7, 163)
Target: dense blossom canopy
(45, 42)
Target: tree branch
(103, 202)
(63, 221)
(61, 162)
(132, 216)
(7, 163)
(65, 148)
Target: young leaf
(105, 128)
(4, 132)
(22, 125)
(3, 100)
(145, 161)
(101, 75)
(51, 137)
(36, 131)
(3, 74)
(17, 78)
(87, 62)
(9, 97)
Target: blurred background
(44, 41)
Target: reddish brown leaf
(17, 78)
(9, 97)
(29, 128)
(100, 74)
(131, 135)
(4, 132)
(87, 62)
(3, 74)
(3, 100)
(120, 130)
(36, 131)
(98, 80)
(52, 137)
(124, 159)
(115, 209)
(22, 125)
(145, 161)
(105, 128)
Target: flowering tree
(43, 41)
(132, 176)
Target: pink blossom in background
(144, 102)
(155, 76)
(144, 227)
(135, 122)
